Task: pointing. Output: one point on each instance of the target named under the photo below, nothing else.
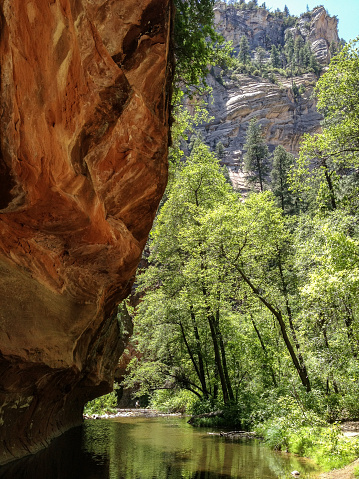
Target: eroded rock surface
(283, 116)
(85, 90)
(235, 98)
(263, 28)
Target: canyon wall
(85, 95)
(236, 98)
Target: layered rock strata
(284, 117)
(85, 92)
(235, 98)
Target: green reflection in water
(163, 448)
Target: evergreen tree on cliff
(255, 158)
(282, 162)
(244, 54)
(274, 57)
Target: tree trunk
(224, 360)
(278, 315)
(290, 319)
(202, 375)
(264, 350)
(217, 356)
(191, 355)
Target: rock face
(85, 92)
(263, 28)
(237, 98)
(284, 117)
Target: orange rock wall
(85, 92)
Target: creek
(154, 448)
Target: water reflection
(158, 448)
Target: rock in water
(85, 92)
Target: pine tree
(260, 56)
(298, 53)
(274, 57)
(244, 54)
(286, 11)
(314, 65)
(307, 54)
(255, 158)
(282, 161)
(289, 48)
(220, 151)
(332, 48)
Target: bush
(272, 78)
(102, 405)
(301, 431)
(172, 401)
(230, 417)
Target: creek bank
(132, 413)
(346, 472)
(236, 435)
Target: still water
(154, 448)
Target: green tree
(244, 53)
(289, 48)
(256, 155)
(314, 65)
(329, 158)
(256, 247)
(196, 43)
(274, 57)
(307, 55)
(298, 56)
(220, 150)
(181, 319)
(260, 57)
(282, 162)
(333, 48)
(326, 251)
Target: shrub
(230, 417)
(172, 401)
(102, 405)
(301, 431)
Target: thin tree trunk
(290, 318)
(330, 185)
(190, 354)
(224, 359)
(217, 356)
(278, 315)
(202, 375)
(326, 342)
(264, 350)
(260, 174)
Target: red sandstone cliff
(84, 126)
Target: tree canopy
(251, 303)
